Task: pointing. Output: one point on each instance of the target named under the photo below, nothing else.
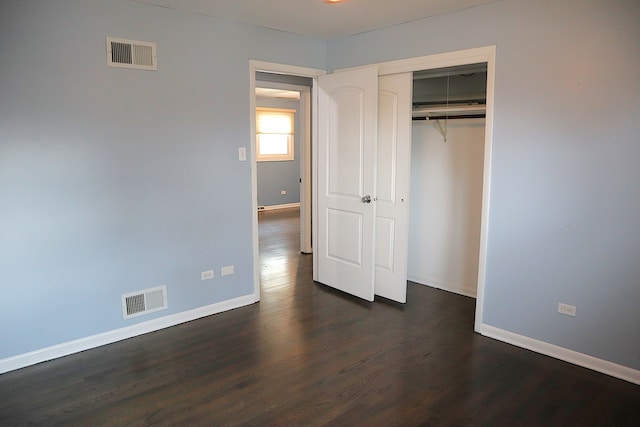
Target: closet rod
(452, 102)
(464, 116)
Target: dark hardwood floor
(307, 355)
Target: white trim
(430, 62)
(254, 180)
(557, 352)
(456, 288)
(440, 60)
(93, 341)
(305, 172)
(486, 186)
(270, 67)
(292, 70)
(314, 173)
(282, 206)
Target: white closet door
(347, 128)
(392, 189)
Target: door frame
(448, 59)
(305, 153)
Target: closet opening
(447, 170)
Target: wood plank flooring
(307, 355)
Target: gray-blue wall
(565, 194)
(116, 180)
(273, 177)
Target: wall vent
(131, 54)
(144, 302)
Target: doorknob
(366, 199)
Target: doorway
(285, 182)
(285, 77)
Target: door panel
(346, 143)
(345, 236)
(385, 229)
(393, 173)
(347, 127)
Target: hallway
(280, 257)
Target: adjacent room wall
(273, 177)
(116, 180)
(565, 199)
(446, 202)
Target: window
(274, 134)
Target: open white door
(392, 188)
(347, 127)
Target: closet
(447, 157)
(373, 232)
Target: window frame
(277, 157)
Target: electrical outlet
(229, 269)
(566, 309)
(283, 192)
(207, 275)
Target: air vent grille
(135, 304)
(144, 302)
(131, 54)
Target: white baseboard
(70, 347)
(449, 287)
(557, 352)
(283, 206)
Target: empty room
(133, 256)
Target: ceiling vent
(131, 54)
(144, 302)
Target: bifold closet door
(392, 185)
(346, 162)
(363, 163)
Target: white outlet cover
(229, 269)
(207, 275)
(566, 309)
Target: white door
(347, 127)
(392, 188)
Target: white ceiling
(318, 19)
